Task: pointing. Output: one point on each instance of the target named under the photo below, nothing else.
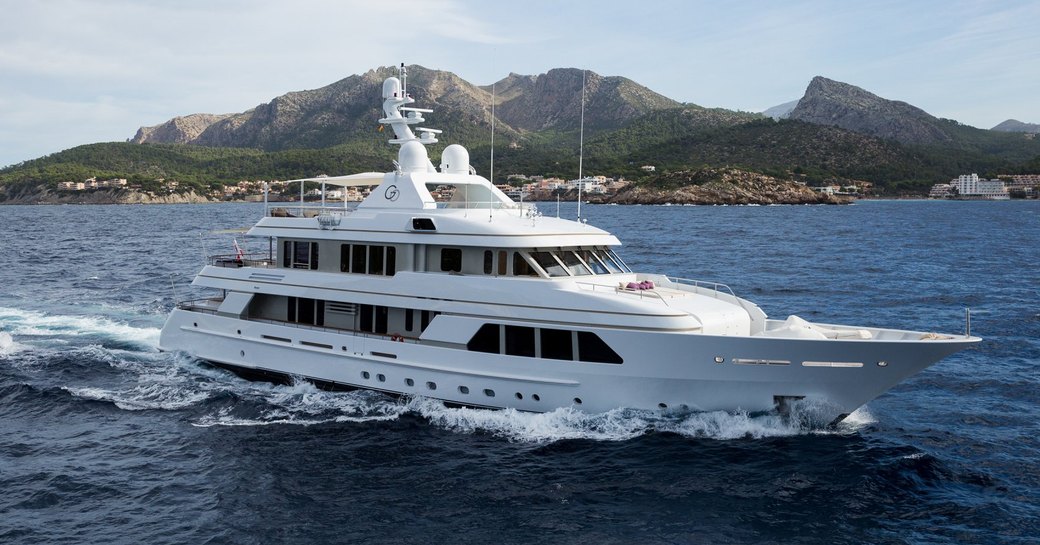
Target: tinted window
(485, 340)
(344, 258)
(375, 260)
(621, 264)
(557, 344)
(573, 264)
(358, 253)
(549, 264)
(451, 259)
(521, 267)
(592, 348)
(391, 260)
(593, 262)
(519, 341)
(489, 261)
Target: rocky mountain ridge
(829, 102)
(347, 109)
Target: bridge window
(549, 264)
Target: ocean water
(105, 440)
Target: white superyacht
(480, 301)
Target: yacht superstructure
(480, 301)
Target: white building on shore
(970, 186)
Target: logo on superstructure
(392, 193)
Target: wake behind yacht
(480, 301)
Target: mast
(581, 142)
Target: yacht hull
(660, 370)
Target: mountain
(1014, 125)
(553, 100)
(782, 111)
(179, 130)
(829, 102)
(347, 109)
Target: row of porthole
(462, 389)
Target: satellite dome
(391, 88)
(413, 157)
(455, 160)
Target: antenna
(581, 142)
(493, 134)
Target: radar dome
(391, 88)
(455, 160)
(413, 158)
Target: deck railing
(264, 261)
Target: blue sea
(103, 439)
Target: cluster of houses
(970, 186)
(539, 188)
(93, 183)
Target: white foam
(8, 346)
(144, 397)
(33, 323)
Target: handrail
(652, 294)
(258, 260)
(702, 284)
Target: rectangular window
(358, 253)
(391, 260)
(382, 314)
(305, 310)
(290, 315)
(366, 318)
(503, 262)
(344, 258)
(375, 260)
(489, 261)
(298, 254)
(409, 315)
(451, 259)
(425, 320)
(519, 341)
(557, 344)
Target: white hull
(680, 370)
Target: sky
(81, 71)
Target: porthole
(343, 348)
(719, 359)
(409, 382)
(535, 397)
(463, 390)
(882, 363)
(488, 392)
(577, 401)
(431, 385)
(662, 405)
(242, 353)
(381, 377)
(519, 395)
(196, 324)
(365, 375)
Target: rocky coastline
(102, 196)
(711, 186)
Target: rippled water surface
(105, 440)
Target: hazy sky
(81, 71)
